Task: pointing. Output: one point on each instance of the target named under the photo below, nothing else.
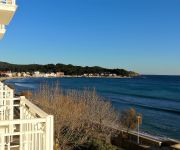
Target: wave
(167, 110)
(154, 97)
(25, 85)
(141, 96)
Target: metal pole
(138, 130)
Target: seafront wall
(128, 141)
(9, 78)
(4, 78)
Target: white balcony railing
(8, 2)
(23, 126)
(2, 30)
(2, 27)
(7, 11)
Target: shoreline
(11, 78)
(2, 79)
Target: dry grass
(79, 115)
(129, 119)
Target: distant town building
(36, 74)
(18, 74)
(60, 74)
(52, 74)
(8, 74)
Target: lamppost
(139, 121)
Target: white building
(9, 74)
(50, 74)
(37, 74)
(7, 11)
(18, 74)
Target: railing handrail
(22, 121)
(33, 108)
(21, 133)
(2, 26)
(11, 99)
(33, 126)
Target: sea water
(157, 98)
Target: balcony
(7, 11)
(23, 126)
(2, 31)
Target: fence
(23, 126)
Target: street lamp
(139, 122)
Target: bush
(96, 144)
(129, 119)
(27, 94)
(100, 145)
(79, 115)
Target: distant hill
(67, 69)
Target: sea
(157, 98)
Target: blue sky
(139, 35)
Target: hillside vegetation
(67, 69)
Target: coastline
(2, 79)
(144, 136)
(113, 77)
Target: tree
(67, 69)
(129, 119)
(79, 115)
